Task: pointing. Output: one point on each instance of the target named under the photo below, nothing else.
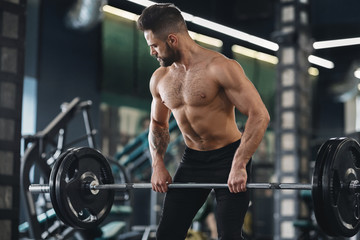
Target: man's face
(160, 49)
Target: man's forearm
(253, 134)
(159, 138)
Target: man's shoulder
(159, 73)
(224, 69)
(156, 77)
(219, 62)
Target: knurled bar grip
(40, 188)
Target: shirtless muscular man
(201, 88)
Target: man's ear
(172, 40)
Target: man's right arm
(159, 138)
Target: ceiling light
(357, 73)
(313, 71)
(254, 54)
(205, 39)
(321, 62)
(188, 17)
(236, 33)
(120, 13)
(336, 43)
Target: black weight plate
(80, 207)
(340, 202)
(332, 228)
(52, 181)
(317, 187)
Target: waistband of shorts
(214, 151)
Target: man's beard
(169, 59)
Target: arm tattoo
(159, 139)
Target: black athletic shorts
(181, 205)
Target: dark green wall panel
(118, 55)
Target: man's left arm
(243, 94)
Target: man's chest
(192, 89)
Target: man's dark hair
(162, 19)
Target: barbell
(81, 187)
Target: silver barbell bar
(42, 188)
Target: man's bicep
(159, 113)
(245, 99)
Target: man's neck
(188, 51)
